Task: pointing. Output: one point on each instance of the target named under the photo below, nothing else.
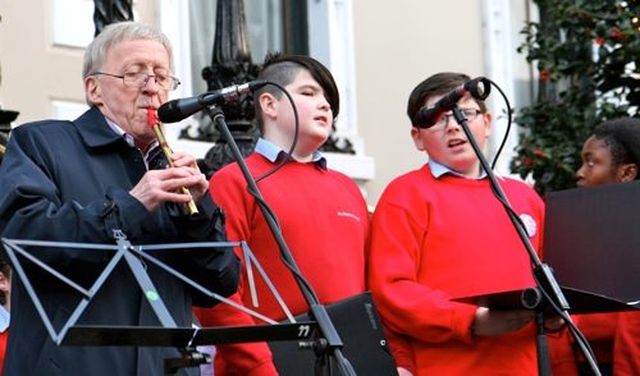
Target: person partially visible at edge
(439, 233)
(85, 180)
(321, 212)
(610, 155)
(5, 307)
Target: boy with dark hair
(321, 212)
(439, 233)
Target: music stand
(166, 335)
(531, 298)
(547, 286)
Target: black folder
(592, 239)
(592, 245)
(359, 327)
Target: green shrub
(587, 54)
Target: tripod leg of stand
(323, 366)
(190, 358)
(542, 346)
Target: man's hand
(201, 186)
(403, 372)
(159, 186)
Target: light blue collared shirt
(438, 170)
(274, 152)
(4, 319)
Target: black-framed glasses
(140, 79)
(469, 113)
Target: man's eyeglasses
(469, 113)
(140, 79)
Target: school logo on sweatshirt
(349, 215)
(529, 224)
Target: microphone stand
(542, 273)
(330, 344)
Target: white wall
(398, 44)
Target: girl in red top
(611, 155)
(322, 213)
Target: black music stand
(168, 334)
(547, 288)
(593, 250)
(531, 298)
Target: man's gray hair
(115, 33)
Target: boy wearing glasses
(438, 233)
(79, 181)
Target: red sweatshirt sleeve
(406, 304)
(253, 359)
(240, 358)
(626, 353)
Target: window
(272, 25)
(320, 28)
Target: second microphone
(179, 109)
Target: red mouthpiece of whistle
(152, 116)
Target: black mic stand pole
(330, 342)
(542, 272)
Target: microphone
(427, 117)
(178, 109)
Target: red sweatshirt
(3, 347)
(599, 330)
(324, 221)
(432, 240)
(626, 353)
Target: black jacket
(69, 181)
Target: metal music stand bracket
(531, 298)
(168, 334)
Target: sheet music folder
(357, 321)
(591, 239)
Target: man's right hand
(164, 185)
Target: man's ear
(92, 89)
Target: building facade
(378, 51)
